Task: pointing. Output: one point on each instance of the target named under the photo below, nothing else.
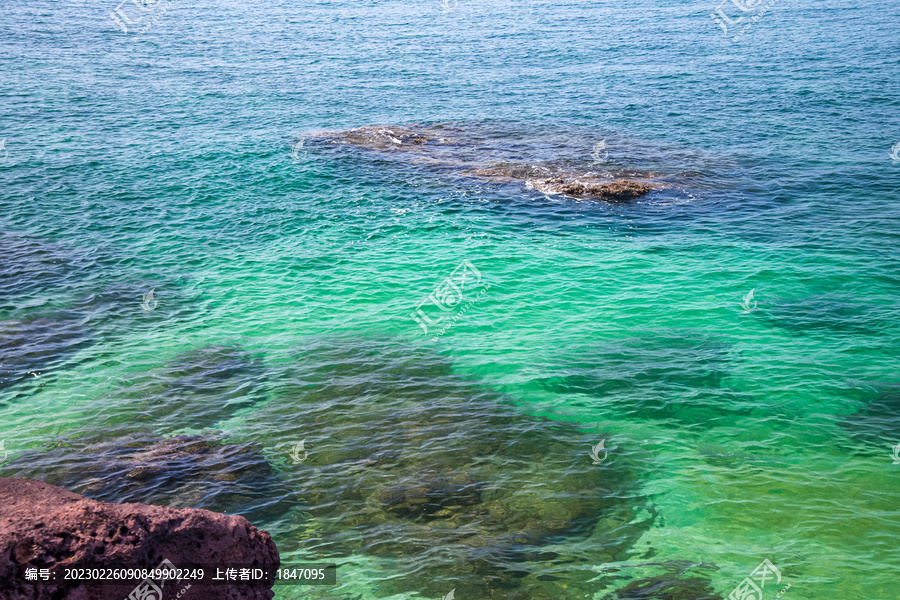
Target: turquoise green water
(166, 164)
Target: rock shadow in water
(417, 466)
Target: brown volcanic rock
(46, 527)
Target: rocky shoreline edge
(58, 545)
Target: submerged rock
(122, 308)
(725, 457)
(179, 472)
(408, 461)
(677, 581)
(827, 313)
(36, 345)
(47, 527)
(663, 588)
(196, 389)
(32, 347)
(668, 374)
(55, 304)
(505, 157)
(32, 266)
(874, 424)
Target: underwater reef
(405, 461)
(666, 375)
(184, 471)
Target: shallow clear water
(283, 283)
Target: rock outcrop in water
(46, 527)
(620, 190)
(416, 466)
(484, 154)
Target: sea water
(164, 153)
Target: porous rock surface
(46, 527)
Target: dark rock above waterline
(46, 527)
(550, 169)
(620, 190)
